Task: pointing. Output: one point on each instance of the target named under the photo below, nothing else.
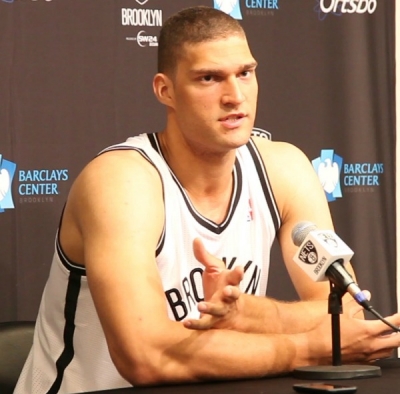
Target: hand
(221, 291)
(361, 340)
(379, 339)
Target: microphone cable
(367, 306)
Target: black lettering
(189, 297)
(248, 265)
(176, 303)
(193, 283)
(230, 265)
(254, 280)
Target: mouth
(233, 121)
(232, 117)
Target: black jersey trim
(161, 242)
(70, 265)
(66, 262)
(206, 223)
(154, 143)
(265, 184)
(209, 224)
(71, 301)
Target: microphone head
(318, 250)
(301, 230)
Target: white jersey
(69, 352)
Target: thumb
(210, 262)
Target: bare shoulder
(114, 195)
(281, 156)
(114, 166)
(114, 180)
(115, 173)
(291, 175)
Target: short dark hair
(192, 25)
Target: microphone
(322, 255)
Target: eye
(246, 73)
(207, 78)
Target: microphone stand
(335, 309)
(336, 370)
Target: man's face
(215, 94)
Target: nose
(232, 92)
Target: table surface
(388, 383)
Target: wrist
(312, 348)
(303, 356)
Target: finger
(385, 347)
(210, 262)
(235, 276)
(230, 294)
(367, 294)
(382, 329)
(213, 309)
(384, 353)
(204, 323)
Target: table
(388, 383)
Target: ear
(163, 89)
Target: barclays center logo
(250, 7)
(32, 185)
(328, 167)
(7, 171)
(334, 173)
(230, 7)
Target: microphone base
(331, 372)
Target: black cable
(371, 309)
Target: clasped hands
(361, 340)
(221, 292)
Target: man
(145, 217)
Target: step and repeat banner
(76, 75)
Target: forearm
(189, 356)
(266, 315)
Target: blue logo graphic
(230, 7)
(328, 167)
(7, 171)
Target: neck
(206, 177)
(194, 167)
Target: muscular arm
(300, 197)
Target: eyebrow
(203, 71)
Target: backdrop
(75, 77)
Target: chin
(240, 137)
